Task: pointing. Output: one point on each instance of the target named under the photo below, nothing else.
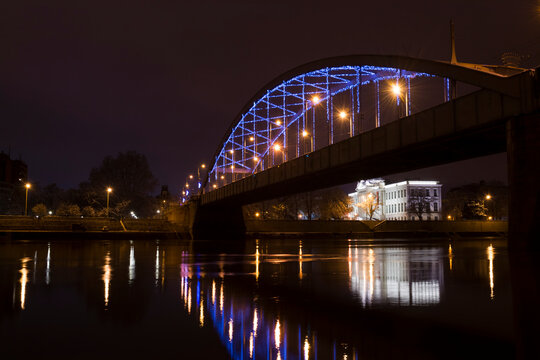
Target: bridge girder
(285, 103)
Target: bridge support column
(523, 150)
(218, 222)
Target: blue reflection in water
(384, 275)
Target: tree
(369, 204)
(129, 176)
(39, 210)
(419, 203)
(68, 210)
(88, 211)
(333, 204)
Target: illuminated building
(405, 200)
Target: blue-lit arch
(279, 111)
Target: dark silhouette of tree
(419, 203)
(333, 204)
(129, 175)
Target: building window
(435, 192)
(435, 206)
(427, 192)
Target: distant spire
(453, 59)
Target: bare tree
(419, 203)
(369, 204)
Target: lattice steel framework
(298, 116)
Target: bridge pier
(223, 221)
(523, 150)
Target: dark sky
(80, 80)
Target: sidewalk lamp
(109, 190)
(343, 115)
(396, 90)
(306, 134)
(487, 197)
(27, 186)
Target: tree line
(327, 204)
(128, 175)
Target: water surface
(258, 299)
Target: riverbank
(52, 227)
(375, 229)
(56, 227)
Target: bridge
(336, 120)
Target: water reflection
(297, 300)
(396, 276)
(377, 276)
(23, 280)
(131, 269)
(48, 269)
(106, 278)
(450, 256)
(491, 256)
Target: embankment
(375, 229)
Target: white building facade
(406, 200)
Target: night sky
(80, 80)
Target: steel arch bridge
(327, 101)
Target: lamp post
(487, 197)
(277, 148)
(199, 176)
(306, 134)
(396, 89)
(27, 186)
(343, 115)
(109, 190)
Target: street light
(199, 175)
(487, 197)
(343, 115)
(109, 190)
(396, 90)
(306, 134)
(27, 186)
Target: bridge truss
(311, 111)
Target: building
(13, 174)
(406, 200)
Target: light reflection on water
(255, 300)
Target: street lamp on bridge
(305, 134)
(397, 90)
(343, 115)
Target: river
(256, 299)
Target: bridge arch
(284, 111)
